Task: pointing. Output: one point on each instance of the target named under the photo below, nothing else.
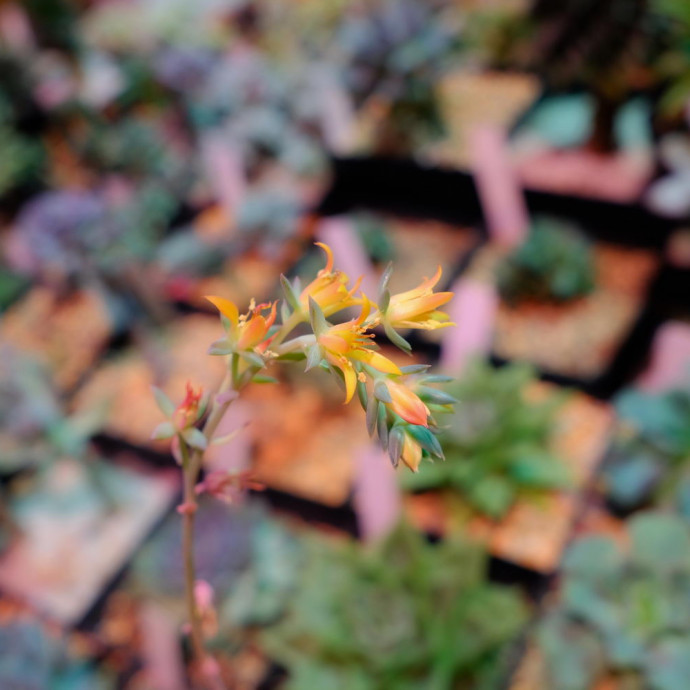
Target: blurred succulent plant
(648, 461)
(223, 550)
(35, 429)
(183, 68)
(497, 442)
(674, 62)
(132, 147)
(395, 50)
(405, 614)
(389, 41)
(262, 592)
(269, 110)
(59, 229)
(32, 659)
(609, 48)
(267, 218)
(623, 612)
(555, 264)
(83, 236)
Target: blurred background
(155, 151)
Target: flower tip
(225, 306)
(329, 256)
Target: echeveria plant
(648, 461)
(555, 264)
(623, 612)
(497, 443)
(405, 614)
(400, 408)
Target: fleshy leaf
(162, 431)
(195, 438)
(381, 392)
(165, 405)
(291, 297)
(397, 339)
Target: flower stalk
(399, 404)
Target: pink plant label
(223, 164)
(15, 28)
(377, 496)
(473, 309)
(338, 121)
(162, 651)
(351, 256)
(670, 360)
(497, 183)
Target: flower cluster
(399, 402)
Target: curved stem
(294, 320)
(189, 498)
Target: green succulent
(554, 264)
(132, 146)
(674, 62)
(648, 461)
(496, 442)
(405, 614)
(623, 612)
(33, 659)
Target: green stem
(191, 466)
(189, 500)
(295, 344)
(294, 320)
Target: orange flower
(186, 413)
(407, 404)
(329, 288)
(418, 308)
(245, 331)
(344, 342)
(411, 453)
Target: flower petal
(225, 307)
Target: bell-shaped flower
(419, 308)
(347, 344)
(405, 403)
(329, 289)
(245, 332)
(411, 453)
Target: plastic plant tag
(352, 258)
(338, 121)
(223, 165)
(670, 358)
(473, 309)
(15, 28)
(162, 651)
(376, 496)
(497, 183)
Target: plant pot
(576, 340)
(67, 334)
(555, 149)
(75, 540)
(536, 529)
